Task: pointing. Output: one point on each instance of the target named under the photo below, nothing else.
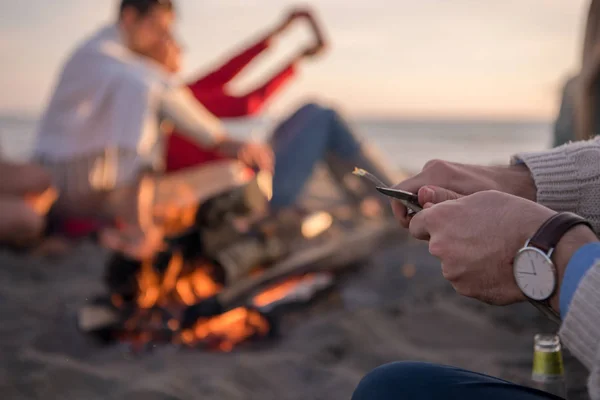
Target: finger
(436, 194)
(401, 213)
(418, 226)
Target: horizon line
(366, 116)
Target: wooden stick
(330, 256)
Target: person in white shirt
(100, 132)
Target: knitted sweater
(568, 179)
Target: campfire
(216, 288)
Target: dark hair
(143, 7)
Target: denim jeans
(313, 134)
(410, 380)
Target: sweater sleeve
(225, 73)
(568, 178)
(580, 331)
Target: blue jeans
(410, 380)
(313, 134)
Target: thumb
(436, 194)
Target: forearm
(566, 178)
(191, 119)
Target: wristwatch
(533, 268)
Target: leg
(409, 380)
(311, 135)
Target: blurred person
(477, 219)
(579, 114)
(100, 133)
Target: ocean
(407, 144)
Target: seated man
(479, 222)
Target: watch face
(535, 274)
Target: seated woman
(311, 134)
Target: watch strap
(549, 234)
(545, 309)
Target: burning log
(330, 256)
(298, 290)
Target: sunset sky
(439, 58)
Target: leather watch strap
(550, 233)
(545, 308)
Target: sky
(393, 58)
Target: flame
(176, 289)
(227, 330)
(187, 288)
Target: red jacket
(210, 91)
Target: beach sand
(377, 315)
(396, 307)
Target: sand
(377, 315)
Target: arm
(225, 73)
(197, 124)
(227, 106)
(567, 178)
(191, 119)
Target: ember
(227, 330)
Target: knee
(20, 224)
(397, 380)
(316, 109)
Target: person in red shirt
(311, 134)
(210, 89)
